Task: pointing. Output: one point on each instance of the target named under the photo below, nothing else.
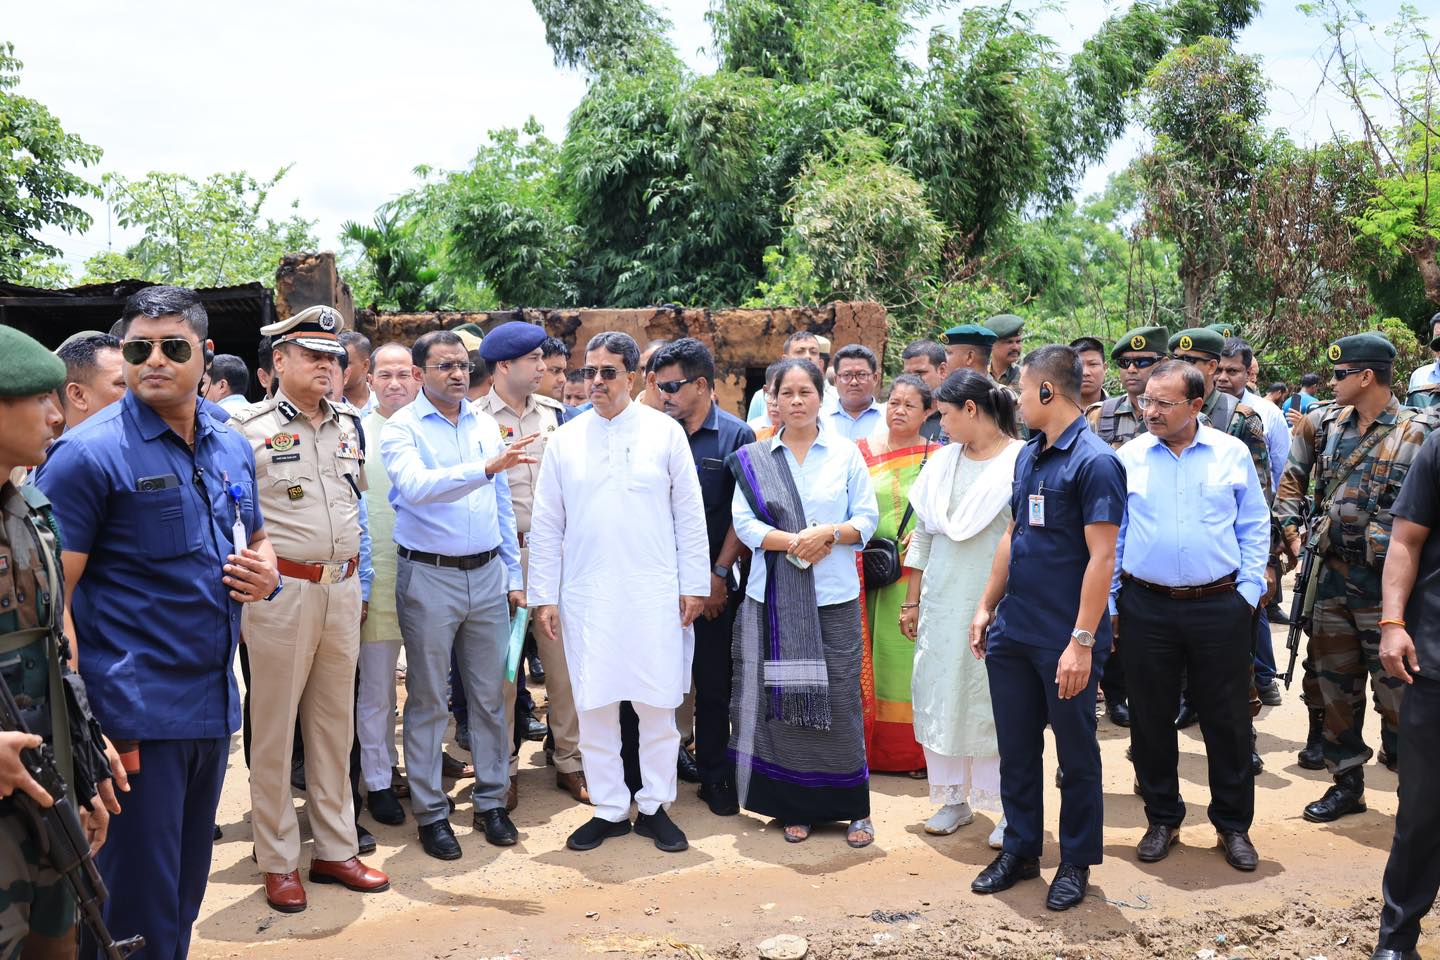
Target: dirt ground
(1315, 895)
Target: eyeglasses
(604, 373)
(464, 366)
(1189, 358)
(1139, 363)
(1165, 406)
(175, 349)
(1340, 373)
(854, 376)
(670, 386)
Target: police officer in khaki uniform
(304, 644)
(515, 357)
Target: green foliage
(199, 233)
(398, 275)
(595, 35)
(37, 184)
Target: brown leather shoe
(1156, 843)
(574, 784)
(284, 893)
(453, 769)
(1239, 851)
(351, 874)
(512, 796)
(398, 784)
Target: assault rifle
(60, 837)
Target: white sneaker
(997, 836)
(949, 818)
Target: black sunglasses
(1139, 363)
(1340, 373)
(673, 386)
(1189, 358)
(604, 373)
(175, 349)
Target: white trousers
(604, 771)
(375, 712)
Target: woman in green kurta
(962, 509)
(894, 454)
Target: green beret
(1141, 340)
(1361, 348)
(969, 334)
(1198, 340)
(1005, 325)
(1088, 343)
(1226, 329)
(26, 367)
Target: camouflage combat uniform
(1114, 420)
(1345, 635)
(33, 897)
(1241, 421)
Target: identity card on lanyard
(1037, 506)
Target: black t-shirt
(1419, 502)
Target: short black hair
(420, 349)
(653, 348)
(927, 396)
(799, 335)
(231, 369)
(1235, 347)
(928, 349)
(551, 346)
(692, 356)
(856, 351)
(1193, 379)
(162, 301)
(806, 367)
(479, 369)
(1279, 386)
(1059, 365)
(1310, 380)
(1088, 344)
(771, 372)
(574, 376)
(359, 341)
(621, 344)
(79, 356)
(265, 354)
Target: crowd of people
(915, 577)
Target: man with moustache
(154, 493)
(94, 376)
(1009, 341)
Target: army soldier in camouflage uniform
(37, 909)
(1005, 357)
(1358, 451)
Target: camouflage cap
(1005, 325)
(1198, 340)
(26, 367)
(1141, 340)
(1361, 348)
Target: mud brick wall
(306, 279)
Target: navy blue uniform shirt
(155, 626)
(719, 436)
(1080, 481)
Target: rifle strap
(1371, 441)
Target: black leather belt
(1223, 585)
(472, 562)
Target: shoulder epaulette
(546, 401)
(250, 411)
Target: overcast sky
(355, 95)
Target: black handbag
(880, 559)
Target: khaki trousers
(560, 701)
(303, 646)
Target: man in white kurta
(619, 557)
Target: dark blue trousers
(1025, 698)
(156, 860)
(1264, 650)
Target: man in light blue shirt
(1189, 577)
(457, 564)
(855, 413)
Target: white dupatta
(990, 493)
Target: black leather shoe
(219, 834)
(534, 729)
(297, 775)
(720, 797)
(1068, 888)
(1277, 615)
(1187, 717)
(1345, 797)
(659, 827)
(685, 767)
(438, 840)
(1239, 851)
(1312, 756)
(1118, 712)
(1388, 760)
(534, 669)
(385, 807)
(1385, 953)
(364, 840)
(1270, 693)
(1257, 765)
(1004, 872)
(596, 831)
(497, 826)
(1155, 845)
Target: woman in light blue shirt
(804, 504)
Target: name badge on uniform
(285, 458)
(1037, 509)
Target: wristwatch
(1083, 637)
(279, 585)
(835, 534)
(721, 571)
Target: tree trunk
(1424, 256)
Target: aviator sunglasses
(175, 349)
